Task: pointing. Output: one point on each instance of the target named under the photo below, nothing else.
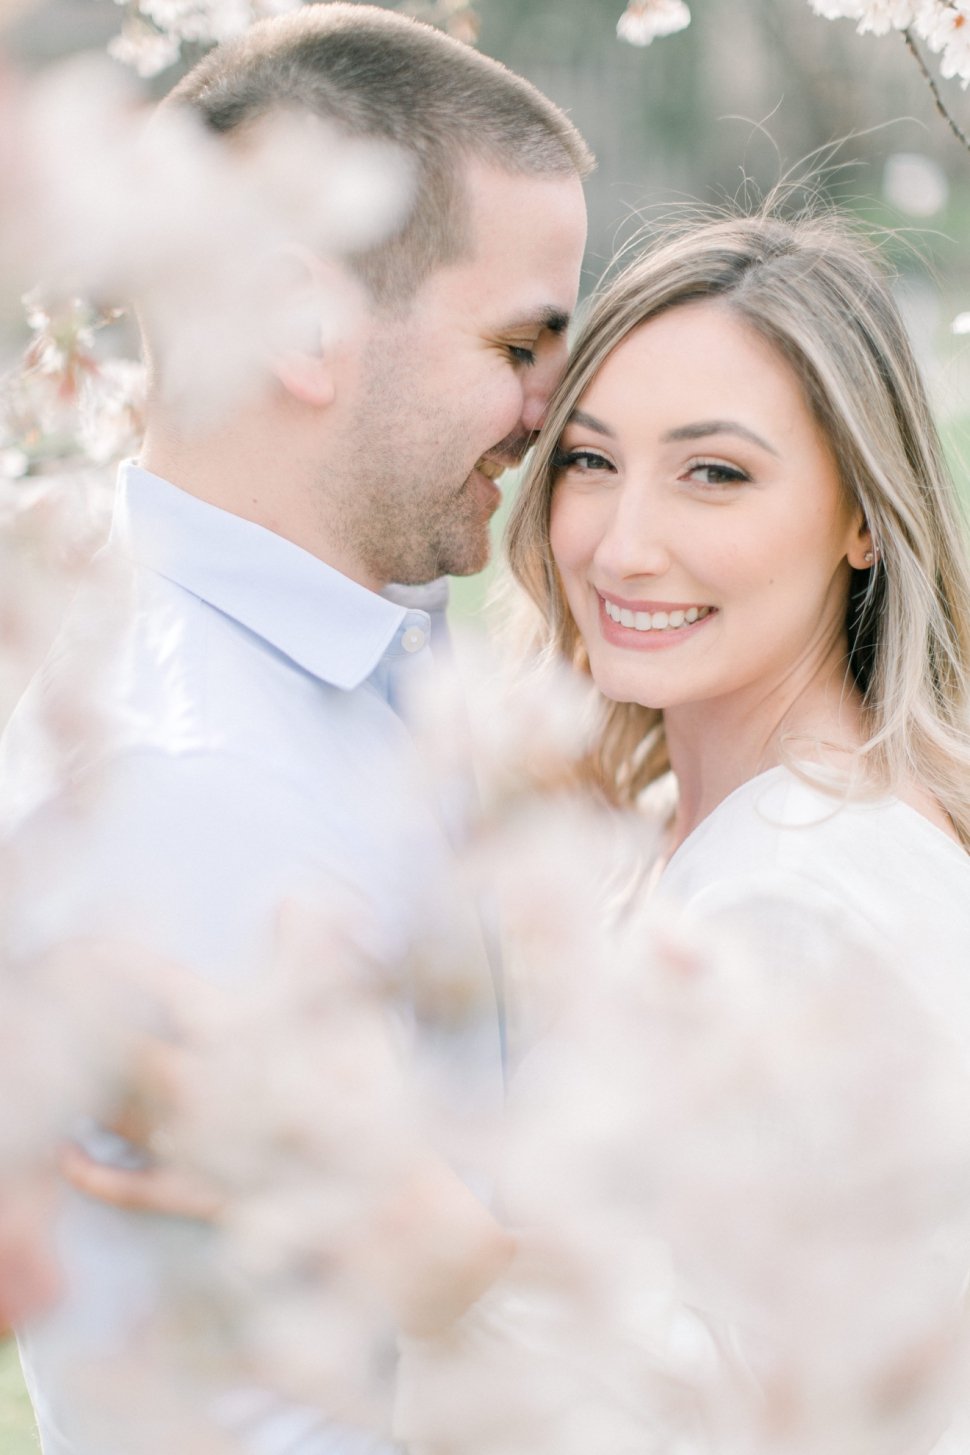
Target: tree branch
(961, 136)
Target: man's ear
(320, 310)
(308, 378)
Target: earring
(869, 558)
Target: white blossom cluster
(154, 31)
(741, 1199)
(65, 405)
(107, 205)
(644, 20)
(458, 17)
(944, 25)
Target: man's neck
(235, 471)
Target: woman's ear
(862, 553)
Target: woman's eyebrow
(717, 426)
(589, 421)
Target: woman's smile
(650, 625)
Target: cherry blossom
(146, 50)
(947, 33)
(645, 20)
(838, 9)
(154, 31)
(944, 26)
(108, 205)
(875, 16)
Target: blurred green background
(17, 1433)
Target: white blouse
(881, 867)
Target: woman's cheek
(572, 533)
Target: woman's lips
(649, 624)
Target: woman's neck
(715, 747)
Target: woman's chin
(625, 691)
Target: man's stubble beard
(410, 532)
(406, 506)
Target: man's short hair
(374, 74)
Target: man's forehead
(520, 273)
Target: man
(250, 750)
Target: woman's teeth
(655, 621)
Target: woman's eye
(712, 472)
(584, 461)
(522, 355)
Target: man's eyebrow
(556, 320)
(706, 427)
(589, 421)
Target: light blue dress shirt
(239, 746)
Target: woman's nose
(635, 541)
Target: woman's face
(698, 521)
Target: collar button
(414, 639)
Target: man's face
(453, 389)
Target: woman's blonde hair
(817, 292)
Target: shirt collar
(329, 625)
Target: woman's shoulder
(809, 872)
(864, 849)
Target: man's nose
(541, 381)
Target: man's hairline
(556, 319)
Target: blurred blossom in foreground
(458, 17)
(65, 411)
(742, 1189)
(64, 1047)
(915, 184)
(737, 1161)
(154, 31)
(49, 529)
(112, 203)
(67, 404)
(644, 20)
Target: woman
(739, 523)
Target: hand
(156, 1189)
(431, 1247)
(162, 1074)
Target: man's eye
(522, 355)
(712, 472)
(583, 461)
